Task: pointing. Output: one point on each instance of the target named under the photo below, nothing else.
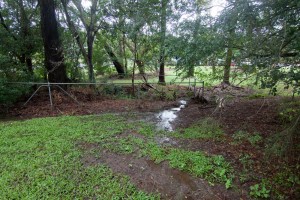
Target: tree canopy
(260, 36)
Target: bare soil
(157, 178)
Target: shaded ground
(40, 105)
(250, 115)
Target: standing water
(166, 117)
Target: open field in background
(202, 73)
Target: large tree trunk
(54, 59)
(119, 67)
(163, 27)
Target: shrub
(9, 93)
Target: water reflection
(166, 117)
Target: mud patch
(159, 178)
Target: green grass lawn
(40, 158)
(171, 78)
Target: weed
(246, 161)
(39, 160)
(119, 145)
(241, 136)
(289, 110)
(205, 129)
(259, 191)
(213, 169)
(146, 129)
(156, 153)
(254, 139)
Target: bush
(9, 93)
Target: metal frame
(49, 85)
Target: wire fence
(191, 83)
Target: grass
(214, 169)
(39, 160)
(205, 129)
(242, 136)
(170, 78)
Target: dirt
(89, 103)
(256, 115)
(157, 178)
(251, 115)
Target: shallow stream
(166, 117)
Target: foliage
(40, 160)
(115, 90)
(241, 136)
(214, 169)
(259, 191)
(205, 129)
(9, 92)
(285, 143)
(289, 110)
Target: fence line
(49, 85)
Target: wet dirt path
(159, 178)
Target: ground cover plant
(39, 160)
(41, 154)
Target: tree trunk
(76, 35)
(124, 53)
(226, 76)
(229, 55)
(54, 59)
(119, 67)
(163, 27)
(29, 65)
(90, 43)
(191, 71)
(25, 33)
(213, 70)
(141, 66)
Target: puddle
(166, 117)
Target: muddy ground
(238, 113)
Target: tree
(54, 59)
(163, 27)
(195, 40)
(91, 23)
(119, 67)
(280, 53)
(265, 34)
(19, 20)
